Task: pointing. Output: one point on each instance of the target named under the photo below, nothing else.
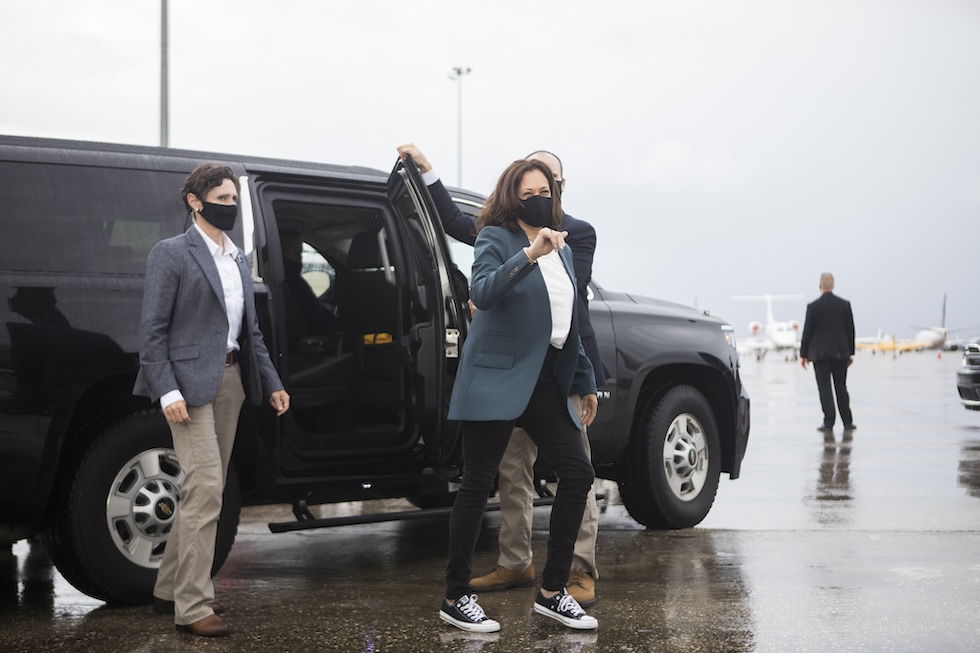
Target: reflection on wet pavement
(833, 481)
(969, 467)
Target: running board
(405, 515)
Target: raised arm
(457, 224)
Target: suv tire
(103, 533)
(674, 461)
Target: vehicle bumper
(742, 427)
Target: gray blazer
(509, 335)
(184, 327)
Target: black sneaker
(825, 429)
(466, 614)
(565, 609)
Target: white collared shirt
(561, 295)
(234, 295)
(231, 283)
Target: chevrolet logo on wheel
(165, 509)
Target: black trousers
(836, 370)
(546, 422)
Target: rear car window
(67, 218)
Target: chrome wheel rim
(142, 504)
(685, 457)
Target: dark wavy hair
(205, 177)
(504, 206)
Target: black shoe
(564, 608)
(850, 427)
(466, 614)
(823, 428)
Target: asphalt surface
(864, 544)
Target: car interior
(342, 326)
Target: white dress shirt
(561, 294)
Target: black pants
(546, 422)
(824, 371)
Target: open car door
(439, 300)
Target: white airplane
(933, 337)
(774, 335)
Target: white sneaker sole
(585, 623)
(487, 626)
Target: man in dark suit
(201, 355)
(828, 341)
(516, 482)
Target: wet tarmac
(867, 543)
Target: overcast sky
(719, 147)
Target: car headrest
(365, 253)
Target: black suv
(89, 467)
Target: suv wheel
(674, 462)
(111, 514)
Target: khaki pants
(517, 494)
(203, 448)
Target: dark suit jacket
(508, 338)
(184, 327)
(828, 333)
(581, 239)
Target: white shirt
(234, 292)
(430, 177)
(561, 294)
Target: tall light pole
(164, 76)
(457, 75)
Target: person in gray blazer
(521, 361)
(828, 341)
(201, 355)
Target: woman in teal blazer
(520, 362)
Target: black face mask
(220, 216)
(537, 211)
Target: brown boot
(210, 626)
(581, 586)
(502, 578)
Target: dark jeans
(824, 371)
(546, 422)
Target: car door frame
(450, 324)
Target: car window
(88, 219)
(462, 254)
(317, 271)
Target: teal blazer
(508, 338)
